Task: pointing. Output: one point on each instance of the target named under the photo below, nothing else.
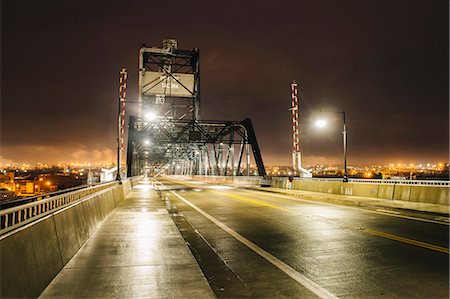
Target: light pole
(322, 123)
(344, 139)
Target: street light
(322, 123)
(151, 116)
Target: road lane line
(441, 218)
(251, 200)
(303, 280)
(235, 196)
(406, 240)
(361, 229)
(387, 211)
(292, 197)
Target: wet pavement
(137, 252)
(191, 239)
(264, 239)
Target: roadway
(257, 244)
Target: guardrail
(15, 217)
(373, 181)
(402, 182)
(430, 192)
(24, 200)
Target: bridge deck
(137, 252)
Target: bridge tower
(167, 134)
(169, 82)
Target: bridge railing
(24, 200)
(402, 182)
(372, 181)
(15, 217)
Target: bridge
(200, 236)
(189, 219)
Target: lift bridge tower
(167, 134)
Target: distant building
(6, 194)
(58, 181)
(108, 175)
(7, 180)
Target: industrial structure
(296, 154)
(167, 134)
(121, 118)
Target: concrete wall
(33, 255)
(439, 194)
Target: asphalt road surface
(256, 244)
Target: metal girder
(174, 139)
(165, 141)
(165, 66)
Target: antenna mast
(296, 154)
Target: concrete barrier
(402, 192)
(20, 277)
(366, 190)
(70, 227)
(430, 194)
(126, 186)
(33, 255)
(414, 191)
(386, 191)
(279, 183)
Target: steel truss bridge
(168, 135)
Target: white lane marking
(303, 280)
(387, 211)
(441, 218)
(291, 197)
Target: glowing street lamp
(322, 123)
(151, 116)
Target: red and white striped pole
(123, 99)
(296, 156)
(121, 117)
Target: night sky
(384, 61)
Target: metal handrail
(24, 200)
(373, 181)
(15, 217)
(402, 182)
(228, 177)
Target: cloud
(33, 154)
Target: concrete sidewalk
(137, 252)
(359, 200)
